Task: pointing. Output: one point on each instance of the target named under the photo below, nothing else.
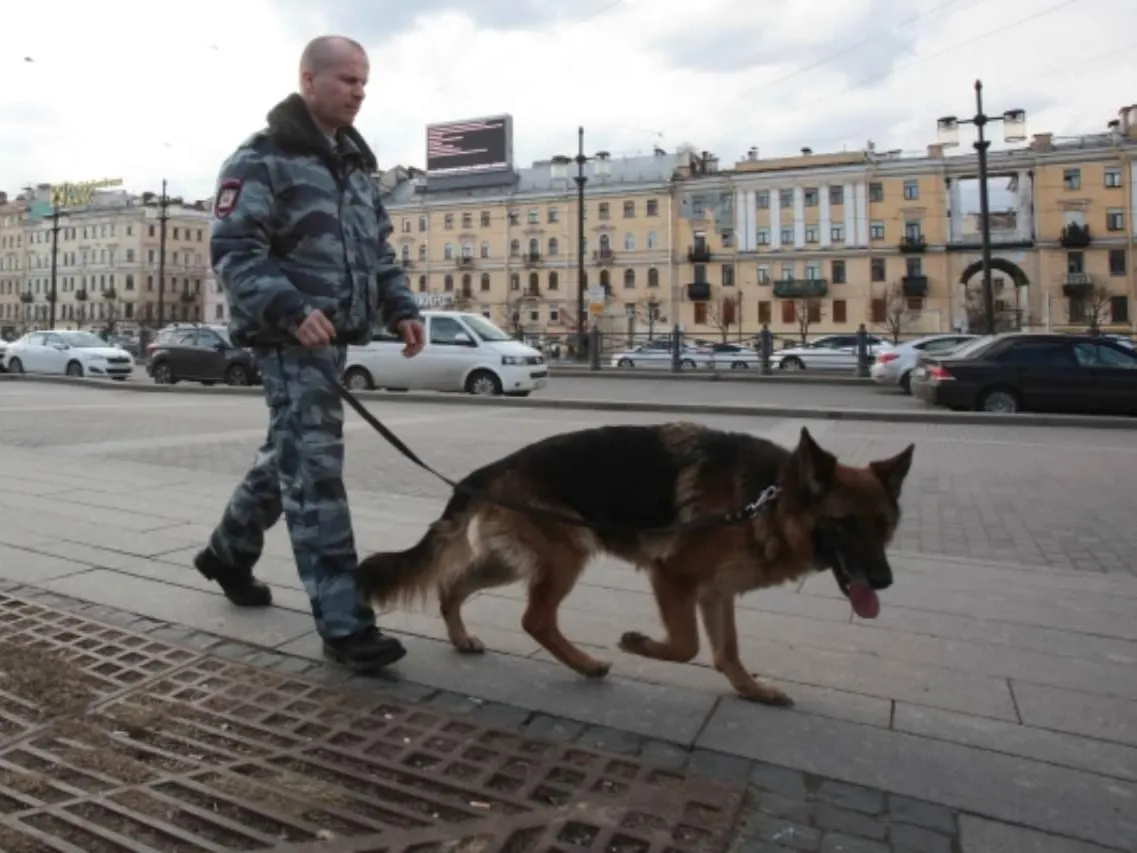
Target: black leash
(742, 514)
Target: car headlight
(513, 359)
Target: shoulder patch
(227, 195)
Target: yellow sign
(80, 194)
(595, 308)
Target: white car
(894, 366)
(656, 353)
(464, 352)
(830, 352)
(68, 353)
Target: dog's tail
(405, 578)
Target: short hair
(323, 52)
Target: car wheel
(1002, 401)
(906, 382)
(162, 374)
(792, 363)
(739, 365)
(74, 368)
(484, 383)
(237, 375)
(625, 362)
(358, 379)
(15, 365)
(687, 364)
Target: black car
(199, 354)
(1076, 374)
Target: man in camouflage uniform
(299, 246)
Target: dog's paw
(597, 669)
(767, 695)
(634, 642)
(470, 646)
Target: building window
(762, 200)
(1117, 263)
(448, 221)
(700, 313)
(1119, 309)
(1072, 179)
(836, 196)
(788, 313)
(811, 234)
(876, 192)
(1115, 219)
(653, 277)
(467, 220)
(728, 275)
(652, 207)
(837, 233)
(811, 197)
(629, 209)
(485, 283)
(762, 238)
(787, 236)
(911, 190)
(603, 208)
(786, 198)
(554, 282)
(764, 311)
(629, 279)
(840, 311)
(1113, 177)
(553, 215)
(878, 310)
(876, 269)
(837, 272)
(876, 230)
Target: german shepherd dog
(632, 483)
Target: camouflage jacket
(299, 225)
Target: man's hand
(316, 330)
(413, 335)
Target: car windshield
(82, 340)
(484, 329)
(222, 333)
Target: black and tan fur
(644, 478)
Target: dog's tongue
(864, 600)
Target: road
(773, 393)
(997, 686)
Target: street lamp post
(560, 170)
(1014, 130)
(54, 292)
(163, 218)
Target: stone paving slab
(1006, 673)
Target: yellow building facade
(810, 244)
(106, 255)
(820, 243)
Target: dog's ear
(814, 467)
(891, 472)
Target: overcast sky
(141, 90)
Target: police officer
(299, 246)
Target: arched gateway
(1016, 313)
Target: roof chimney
(805, 152)
(936, 151)
(1042, 142)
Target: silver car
(657, 354)
(894, 366)
(829, 352)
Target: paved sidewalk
(990, 708)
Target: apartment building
(106, 260)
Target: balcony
(1078, 285)
(531, 259)
(464, 263)
(604, 257)
(407, 263)
(700, 253)
(913, 245)
(914, 285)
(699, 291)
(801, 288)
(1075, 236)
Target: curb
(740, 376)
(690, 410)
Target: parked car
(732, 356)
(199, 353)
(831, 352)
(3, 352)
(656, 353)
(894, 366)
(68, 353)
(1017, 371)
(464, 352)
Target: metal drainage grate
(111, 742)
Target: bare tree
(898, 316)
(806, 313)
(976, 313)
(1094, 308)
(722, 314)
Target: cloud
(162, 98)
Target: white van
(464, 352)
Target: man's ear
(891, 472)
(814, 468)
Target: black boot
(364, 651)
(239, 587)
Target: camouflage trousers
(298, 472)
